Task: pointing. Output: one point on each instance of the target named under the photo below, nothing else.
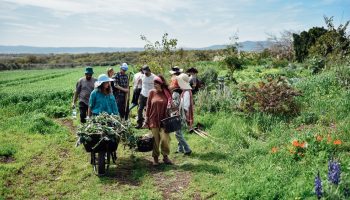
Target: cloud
(195, 23)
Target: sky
(195, 23)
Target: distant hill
(245, 46)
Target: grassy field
(249, 158)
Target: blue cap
(124, 67)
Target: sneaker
(188, 153)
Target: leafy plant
(274, 96)
(7, 150)
(110, 126)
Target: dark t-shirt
(195, 81)
(121, 80)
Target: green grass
(236, 164)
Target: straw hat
(101, 79)
(184, 81)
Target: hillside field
(251, 156)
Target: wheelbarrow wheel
(101, 168)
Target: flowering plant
(298, 149)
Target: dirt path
(172, 185)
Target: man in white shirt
(137, 89)
(147, 84)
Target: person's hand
(126, 90)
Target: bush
(7, 150)
(343, 76)
(233, 63)
(316, 64)
(277, 63)
(209, 76)
(215, 100)
(275, 97)
(42, 124)
(56, 111)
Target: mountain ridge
(22, 49)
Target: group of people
(155, 99)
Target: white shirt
(185, 101)
(137, 83)
(147, 84)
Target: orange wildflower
(295, 143)
(274, 149)
(302, 145)
(337, 142)
(319, 138)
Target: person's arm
(89, 111)
(114, 106)
(148, 108)
(91, 103)
(119, 87)
(76, 93)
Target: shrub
(7, 150)
(277, 63)
(42, 124)
(209, 76)
(316, 64)
(56, 111)
(343, 76)
(233, 63)
(215, 100)
(275, 97)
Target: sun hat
(124, 67)
(101, 79)
(89, 70)
(184, 81)
(175, 70)
(145, 68)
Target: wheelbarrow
(102, 149)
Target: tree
(159, 54)
(334, 43)
(282, 47)
(303, 41)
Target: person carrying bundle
(101, 99)
(183, 104)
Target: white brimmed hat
(101, 79)
(175, 70)
(184, 81)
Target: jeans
(123, 112)
(83, 108)
(142, 105)
(182, 145)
